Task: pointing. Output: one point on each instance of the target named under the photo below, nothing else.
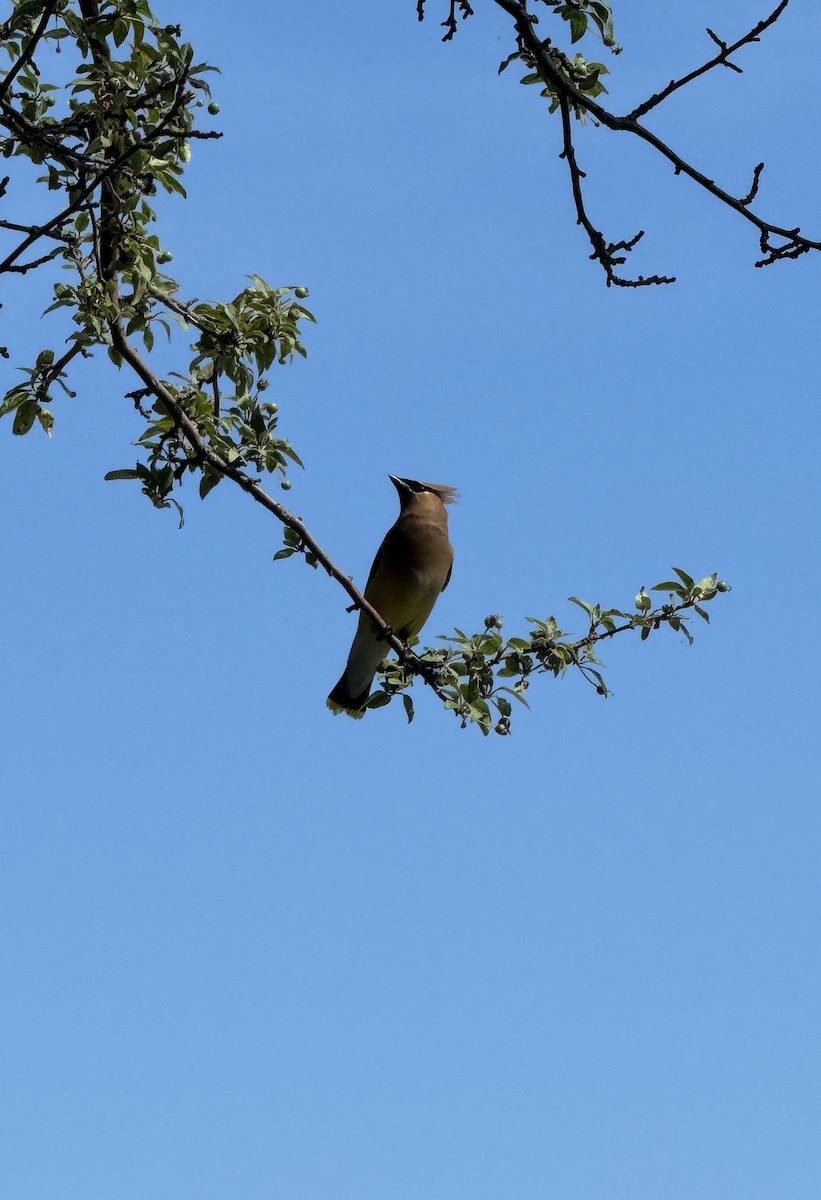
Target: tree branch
(604, 252)
(59, 366)
(450, 23)
(202, 451)
(28, 51)
(108, 171)
(22, 268)
(793, 244)
(720, 60)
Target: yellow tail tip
(355, 713)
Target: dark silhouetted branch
(722, 59)
(603, 252)
(792, 245)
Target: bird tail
(340, 700)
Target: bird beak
(401, 485)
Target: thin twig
(602, 251)
(27, 229)
(753, 192)
(22, 268)
(59, 366)
(720, 60)
(794, 244)
(449, 24)
(177, 306)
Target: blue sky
(252, 950)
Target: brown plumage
(411, 568)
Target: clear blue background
(253, 951)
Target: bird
(412, 566)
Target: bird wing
(374, 567)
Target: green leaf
(124, 473)
(510, 58)
(588, 608)
(684, 577)
(13, 399)
(283, 554)
(408, 703)
(291, 453)
(25, 417)
(601, 687)
(209, 481)
(578, 24)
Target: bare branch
(720, 60)
(22, 268)
(449, 24)
(29, 229)
(753, 192)
(793, 244)
(603, 252)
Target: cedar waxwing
(411, 568)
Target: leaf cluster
(480, 674)
(117, 131)
(576, 71)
